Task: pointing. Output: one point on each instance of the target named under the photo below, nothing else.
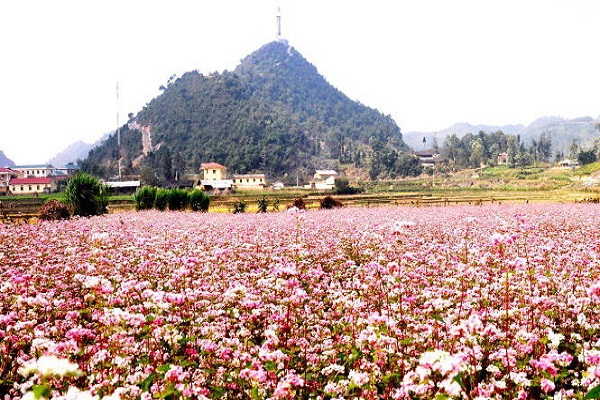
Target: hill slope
(274, 113)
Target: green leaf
(40, 391)
(406, 341)
(459, 379)
(270, 366)
(218, 392)
(593, 394)
(146, 383)
(438, 317)
(163, 368)
(254, 393)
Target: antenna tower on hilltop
(118, 134)
(278, 16)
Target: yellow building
(31, 185)
(249, 181)
(213, 172)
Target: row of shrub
(174, 199)
(326, 203)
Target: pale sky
(427, 63)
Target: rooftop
(30, 181)
(212, 165)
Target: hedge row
(148, 197)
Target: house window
(214, 171)
(38, 187)
(22, 189)
(30, 188)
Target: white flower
(358, 378)
(50, 366)
(555, 339)
(75, 394)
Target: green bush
(177, 199)
(342, 186)
(239, 207)
(162, 199)
(86, 195)
(199, 201)
(262, 205)
(145, 197)
(54, 210)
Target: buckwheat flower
(358, 378)
(333, 368)
(75, 394)
(555, 339)
(31, 396)
(50, 366)
(451, 387)
(546, 385)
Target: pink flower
(546, 385)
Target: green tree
(586, 157)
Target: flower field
(465, 302)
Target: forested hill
(274, 113)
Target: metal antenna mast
(118, 134)
(278, 16)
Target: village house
(18, 186)
(428, 158)
(213, 177)
(323, 179)
(34, 171)
(6, 174)
(249, 181)
(502, 159)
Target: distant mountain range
(561, 131)
(5, 161)
(75, 152)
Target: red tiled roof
(5, 170)
(212, 165)
(30, 181)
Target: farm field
(497, 301)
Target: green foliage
(594, 393)
(177, 199)
(276, 204)
(329, 202)
(161, 200)
(199, 201)
(342, 186)
(86, 195)
(145, 197)
(587, 157)
(174, 199)
(387, 162)
(239, 207)
(263, 204)
(54, 210)
(472, 151)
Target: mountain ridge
(561, 131)
(273, 113)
